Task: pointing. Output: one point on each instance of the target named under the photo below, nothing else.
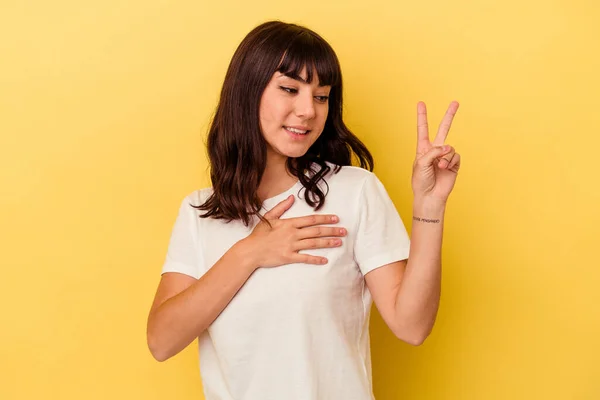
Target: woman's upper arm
(181, 267)
(383, 284)
(170, 285)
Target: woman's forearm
(419, 294)
(183, 317)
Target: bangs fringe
(311, 52)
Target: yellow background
(104, 107)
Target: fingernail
(334, 219)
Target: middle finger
(445, 125)
(314, 232)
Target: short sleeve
(381, 237)
(182, 255)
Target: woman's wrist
(428, 210)
(245, 253)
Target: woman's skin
(288, 102)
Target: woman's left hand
(436, 165)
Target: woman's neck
(276, 178)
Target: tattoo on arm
(432, 221)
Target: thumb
(277, 211)
(435, 152)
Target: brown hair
(236, 147)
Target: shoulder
(199, 196)
(351, 181)
(195, 198)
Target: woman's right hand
(279, 243)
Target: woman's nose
(305, 107)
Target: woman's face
(292, 114)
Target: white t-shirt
(298, 331)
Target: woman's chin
(291, 152)
(295, 153)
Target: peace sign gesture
(436, 165)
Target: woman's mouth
(297, 132)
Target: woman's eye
(320, 99)
(287, 89)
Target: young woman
(275, 267)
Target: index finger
(312, 220)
